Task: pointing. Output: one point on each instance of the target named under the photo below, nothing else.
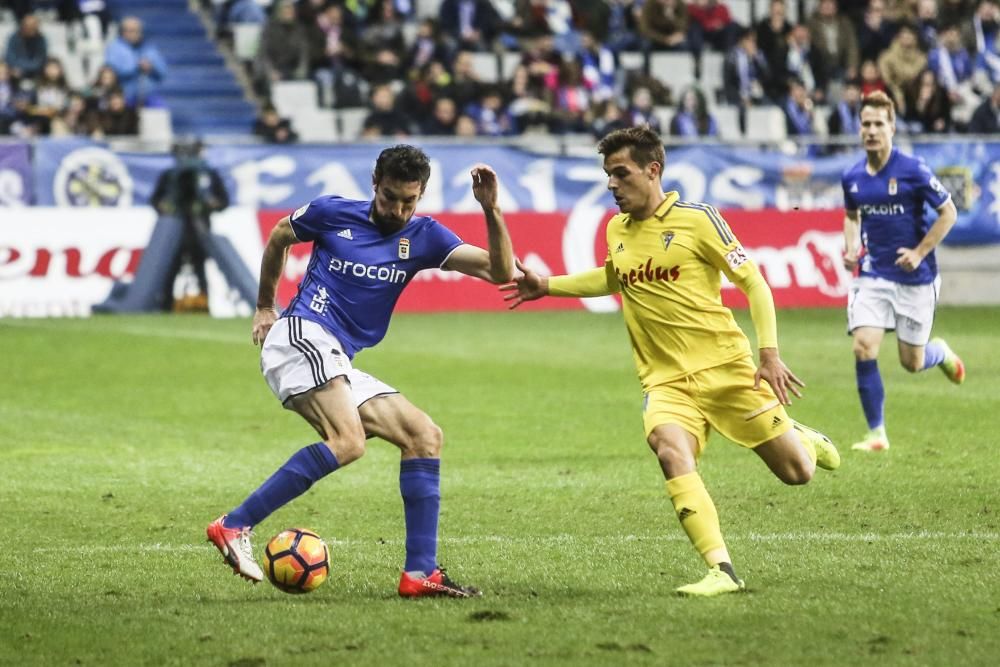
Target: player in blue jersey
(364, 254)
(889, 237)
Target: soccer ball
(297, 561)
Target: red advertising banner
(798, 253)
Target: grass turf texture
(120, 438)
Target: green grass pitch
(121, 438)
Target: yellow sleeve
(595, 282)
(723, 250)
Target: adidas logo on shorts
(346, 234)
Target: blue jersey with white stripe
(891, 206)
(356, 273)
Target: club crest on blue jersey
(404, 248)
(893, 188)
(667, 238)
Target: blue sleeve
(309, 222)
(930, 188)
(441, 242)
(849, 203)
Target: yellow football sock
(698, 517)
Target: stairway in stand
(202, 94)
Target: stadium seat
(352, 120)
(316, 125)
(742, 11)
(290, 96)
(664, 114)
(427, 8)
(246, 39)
(6, 30)
(509, 61)
(766, 123)
(154, 125)
(727, 117)
(821, 113)
(486, 67)
(674, 69)
(632, 60)
(711, 74)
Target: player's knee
(864, 351)
(426, 442)
(674, 459)
(912, 364)
(347, 447)
(798, 472)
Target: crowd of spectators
(938, 59)
(36, 100)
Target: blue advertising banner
(84, 173)
(15, 175)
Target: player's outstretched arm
(530, 286)
(485, 188)
(910, 258)
(271, 266)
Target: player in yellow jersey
(665, 258)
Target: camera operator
(191, 191)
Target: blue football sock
(420, 486)
(933, 355)
(290, 481)
(871, 391)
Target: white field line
(608, 540)
(128, 329)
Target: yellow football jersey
(667, 268)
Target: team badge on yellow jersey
(404, 248)
(667, 238)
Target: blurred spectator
(118, 119)
(540, 58)
(745, 75)
(8, 95)
(692, 118)
(465, 83)
(598, 65)
(385, 120)
(570, 99)
(465, 127)
(190, 190)
(490, 116)
(798, 108)
(926, 23)
(139, 65)
(802, 62)
(982, 39)
(665, 24)
(641, 111)
(711, 22)
(876, 31)
(833, 36)
(623, 25)
(530, 19)
(104, 84)
(76, 119)
(21, 8)
(772, 38)
(431, 83)
(443, 118)
(986, 117)
(955, 12)
(228, 12)
(901, 64)
(529, 105)
(952, 65)
(283, 53)
(27, 50)
(871, 78)
(471, 24)
(384, 28)
(427, 46)
(609, 117)
(334, 59)
(49, 97)
(928, 108)
(845, 117)
(272, 128)
(383, 66)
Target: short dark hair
(644, 145)
(402, 163)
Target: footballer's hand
(263, 320)
(782, 380)
(851, 260)
(485, 185)
(526, 287)
(908, 259)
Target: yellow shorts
(722, 398)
